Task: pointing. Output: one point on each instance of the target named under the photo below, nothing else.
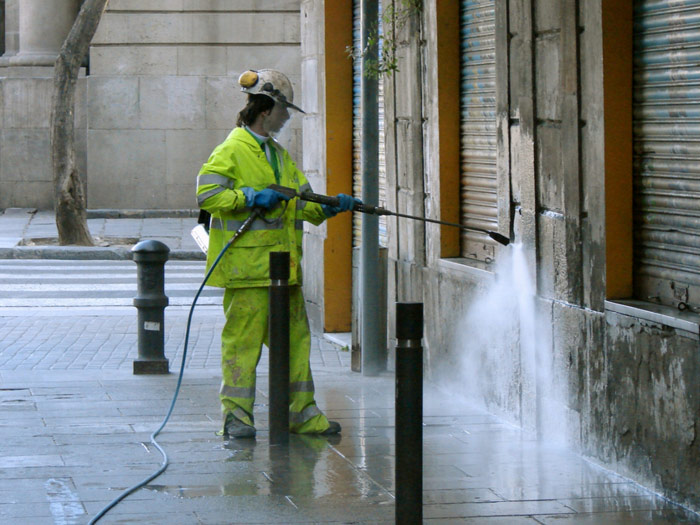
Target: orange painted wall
(449, 128)
(617, 85)
(338, 245)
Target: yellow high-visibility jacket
(234, 166)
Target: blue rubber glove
(347, 203)
(267, 198)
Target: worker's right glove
(345, 203)
(266, 199)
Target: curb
(91, 253)
(108, 213)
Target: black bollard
(150, 257)
(409, 413)
(278, 338)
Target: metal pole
(372, 338)
(278, 338)
(409, 413)
(150, 301)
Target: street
(72, 283)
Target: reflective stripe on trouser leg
(241, 340)
(245, 330)
(304, 416)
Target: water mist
(504, 352)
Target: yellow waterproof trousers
(244, 332)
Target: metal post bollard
(150, 257)
(278, 338)
(409, 413)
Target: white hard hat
(269, 82)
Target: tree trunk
(69, 193)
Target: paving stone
(662, 517)
(496, 508)
(488, 520)
(30, 512)
(48, 460)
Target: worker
(230, 185)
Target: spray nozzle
(502, 239)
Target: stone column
(11, 27)
(43, 26)
(34, 33)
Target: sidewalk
(26, 233)
(76, 425)
(73, 440)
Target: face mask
(284, 135)
(276, 120)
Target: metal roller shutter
(357, 136)
(667, 152)
(479, 203)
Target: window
(479, 181)
(667, 153)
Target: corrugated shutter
(667, 151)
(357, 137)
(479, 204)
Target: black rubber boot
(236, 428)
(334, 428)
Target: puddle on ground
(245, 488)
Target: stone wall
(622, 386)
(405, 173)
(163, 92)
(26, 87)
(550, 200)
(160, 95)
(314, 150)
(647, 410)
(2, 26)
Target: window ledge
(656, 313)
(461, 267)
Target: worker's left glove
(347, 203)
(267, 198)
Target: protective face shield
(276, 120)
(271, 83)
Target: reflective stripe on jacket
(234, 166)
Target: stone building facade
(158, 94)
(536, 118)
(33, 36)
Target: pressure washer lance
(377, 210)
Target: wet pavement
(73, 440)
(75, 433)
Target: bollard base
(155, 366)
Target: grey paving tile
(39, 460)
(498, 508)
(657, 517)
(485, 520)
(26, 512)
(564, 491)
(9, 240)
(162, 506)
(365, 450)
(432, 497)
(90, 427)
(619, 503)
